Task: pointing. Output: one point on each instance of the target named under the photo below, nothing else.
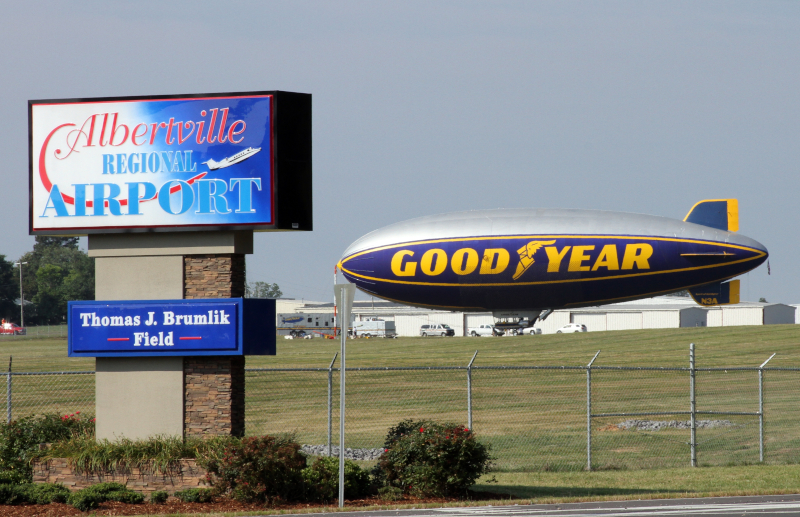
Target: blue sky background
(428, 107)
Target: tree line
(57, 272)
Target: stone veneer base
(187, 475)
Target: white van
(436, 329)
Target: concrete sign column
(140, 397)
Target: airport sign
(171, 163)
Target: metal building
(651, 313)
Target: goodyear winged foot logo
(526, 254)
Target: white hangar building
(650, 313)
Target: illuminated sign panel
(228, 326)
(175, 163)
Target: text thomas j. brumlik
(214, 317)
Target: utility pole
(21, 298)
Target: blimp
(525, 263)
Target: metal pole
(341, 415)
(344, 297)
(330, 405)
(469, 390)
(761, 409)
(693, 407)
(8, 392)
(589, 412)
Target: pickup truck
(484, 330)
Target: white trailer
(374, 328)
(302, 324)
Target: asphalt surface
(782, 505)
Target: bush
(322, 479)
(159, 497)
(29, 493)
(46, 493)
(91, 496)
(20, 439)
(13, 494)
(430, 459)
(264, 469)
(195, 495)
(85, 501)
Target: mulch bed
(219, 506)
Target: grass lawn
(555, 487)
(535, 420)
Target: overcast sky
(428, 107)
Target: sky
(425, 107)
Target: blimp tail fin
(717, 293)
(722, 214)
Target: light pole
(21, 298)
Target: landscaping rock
(657, 425)
(349, 454)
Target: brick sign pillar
(214, 385)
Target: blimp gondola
(525, 263)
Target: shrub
(20, 439)
(46, 493)
(390, 493)
(263, 469)
(322, 479)
(159, 497)
(85, 501)
(91, 496)
(30, 493)
(13, 494)
(430, 459)
(195, 495)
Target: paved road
(783, 505)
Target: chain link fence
(535, 418)
(39, 331)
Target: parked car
(531, 331)
(571, 327)
(436, 330)
(485, 330)
(12, 329)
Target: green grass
(716, 346)
(535, 420)
(562, 487)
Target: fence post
(761, 409)
(330, 403)
(693, 408)
(589, 412)
(469, 390)
(8, 392)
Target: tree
(9, 290)
(763, 300)
(56, 272)
(262, 290)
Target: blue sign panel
(228, 326)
